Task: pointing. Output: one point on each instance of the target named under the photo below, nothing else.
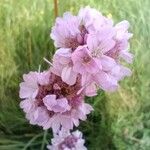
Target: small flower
(29, 88)
(66, 32)
(92, 19)
(92, 60)
(51, 103)
(67, 141)
(84, 62)
(120, 50)
(63, 66)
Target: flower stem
(56, 8)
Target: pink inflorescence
(89, 56)
(50, 102)
(95, 51)
(67, 141)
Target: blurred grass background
(121, 121)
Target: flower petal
(61, 106)
(50, 101)
(107, 63)
(68, 75)
(105, 81)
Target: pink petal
(61, 106)
(106, 33)
(107, 63)
(43, 78)
(50, 101)
(78, 67)
(123, 25)
(92, 67)
(41, 116)
(27, 105)
(48, 124)
(98, 62)
(27, 91)
(68, 75)
(91, 90)
(76, 122)
(119, 72)
(66, 122)
(105, 81)
(66, 52)
(56, 123)
(126, 71)
(88, 108)
(126, 56)
(92, 42)
(106, 45)
(62, 56)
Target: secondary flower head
(51, 103)
(67, 141)
(71, 31)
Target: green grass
(121, 120)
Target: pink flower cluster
(51, 103)
(90, 50)
(90, 45)
(65, 140)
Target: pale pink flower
(56, 105)
(90, 89)
(105, 81)
(63, 66)
(29, 88)
(121, 50)
(84, 62)
(119, 72)
(92, 59)
(92, 19)
(71, 31)
(66, 32)
(121, 47)
(51, 103)
(65, 140)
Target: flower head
(97, 59)
(50, 102)
(84, 62)
(67, 141)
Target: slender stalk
(56, 8)
(44, 140)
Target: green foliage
(121, 120)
